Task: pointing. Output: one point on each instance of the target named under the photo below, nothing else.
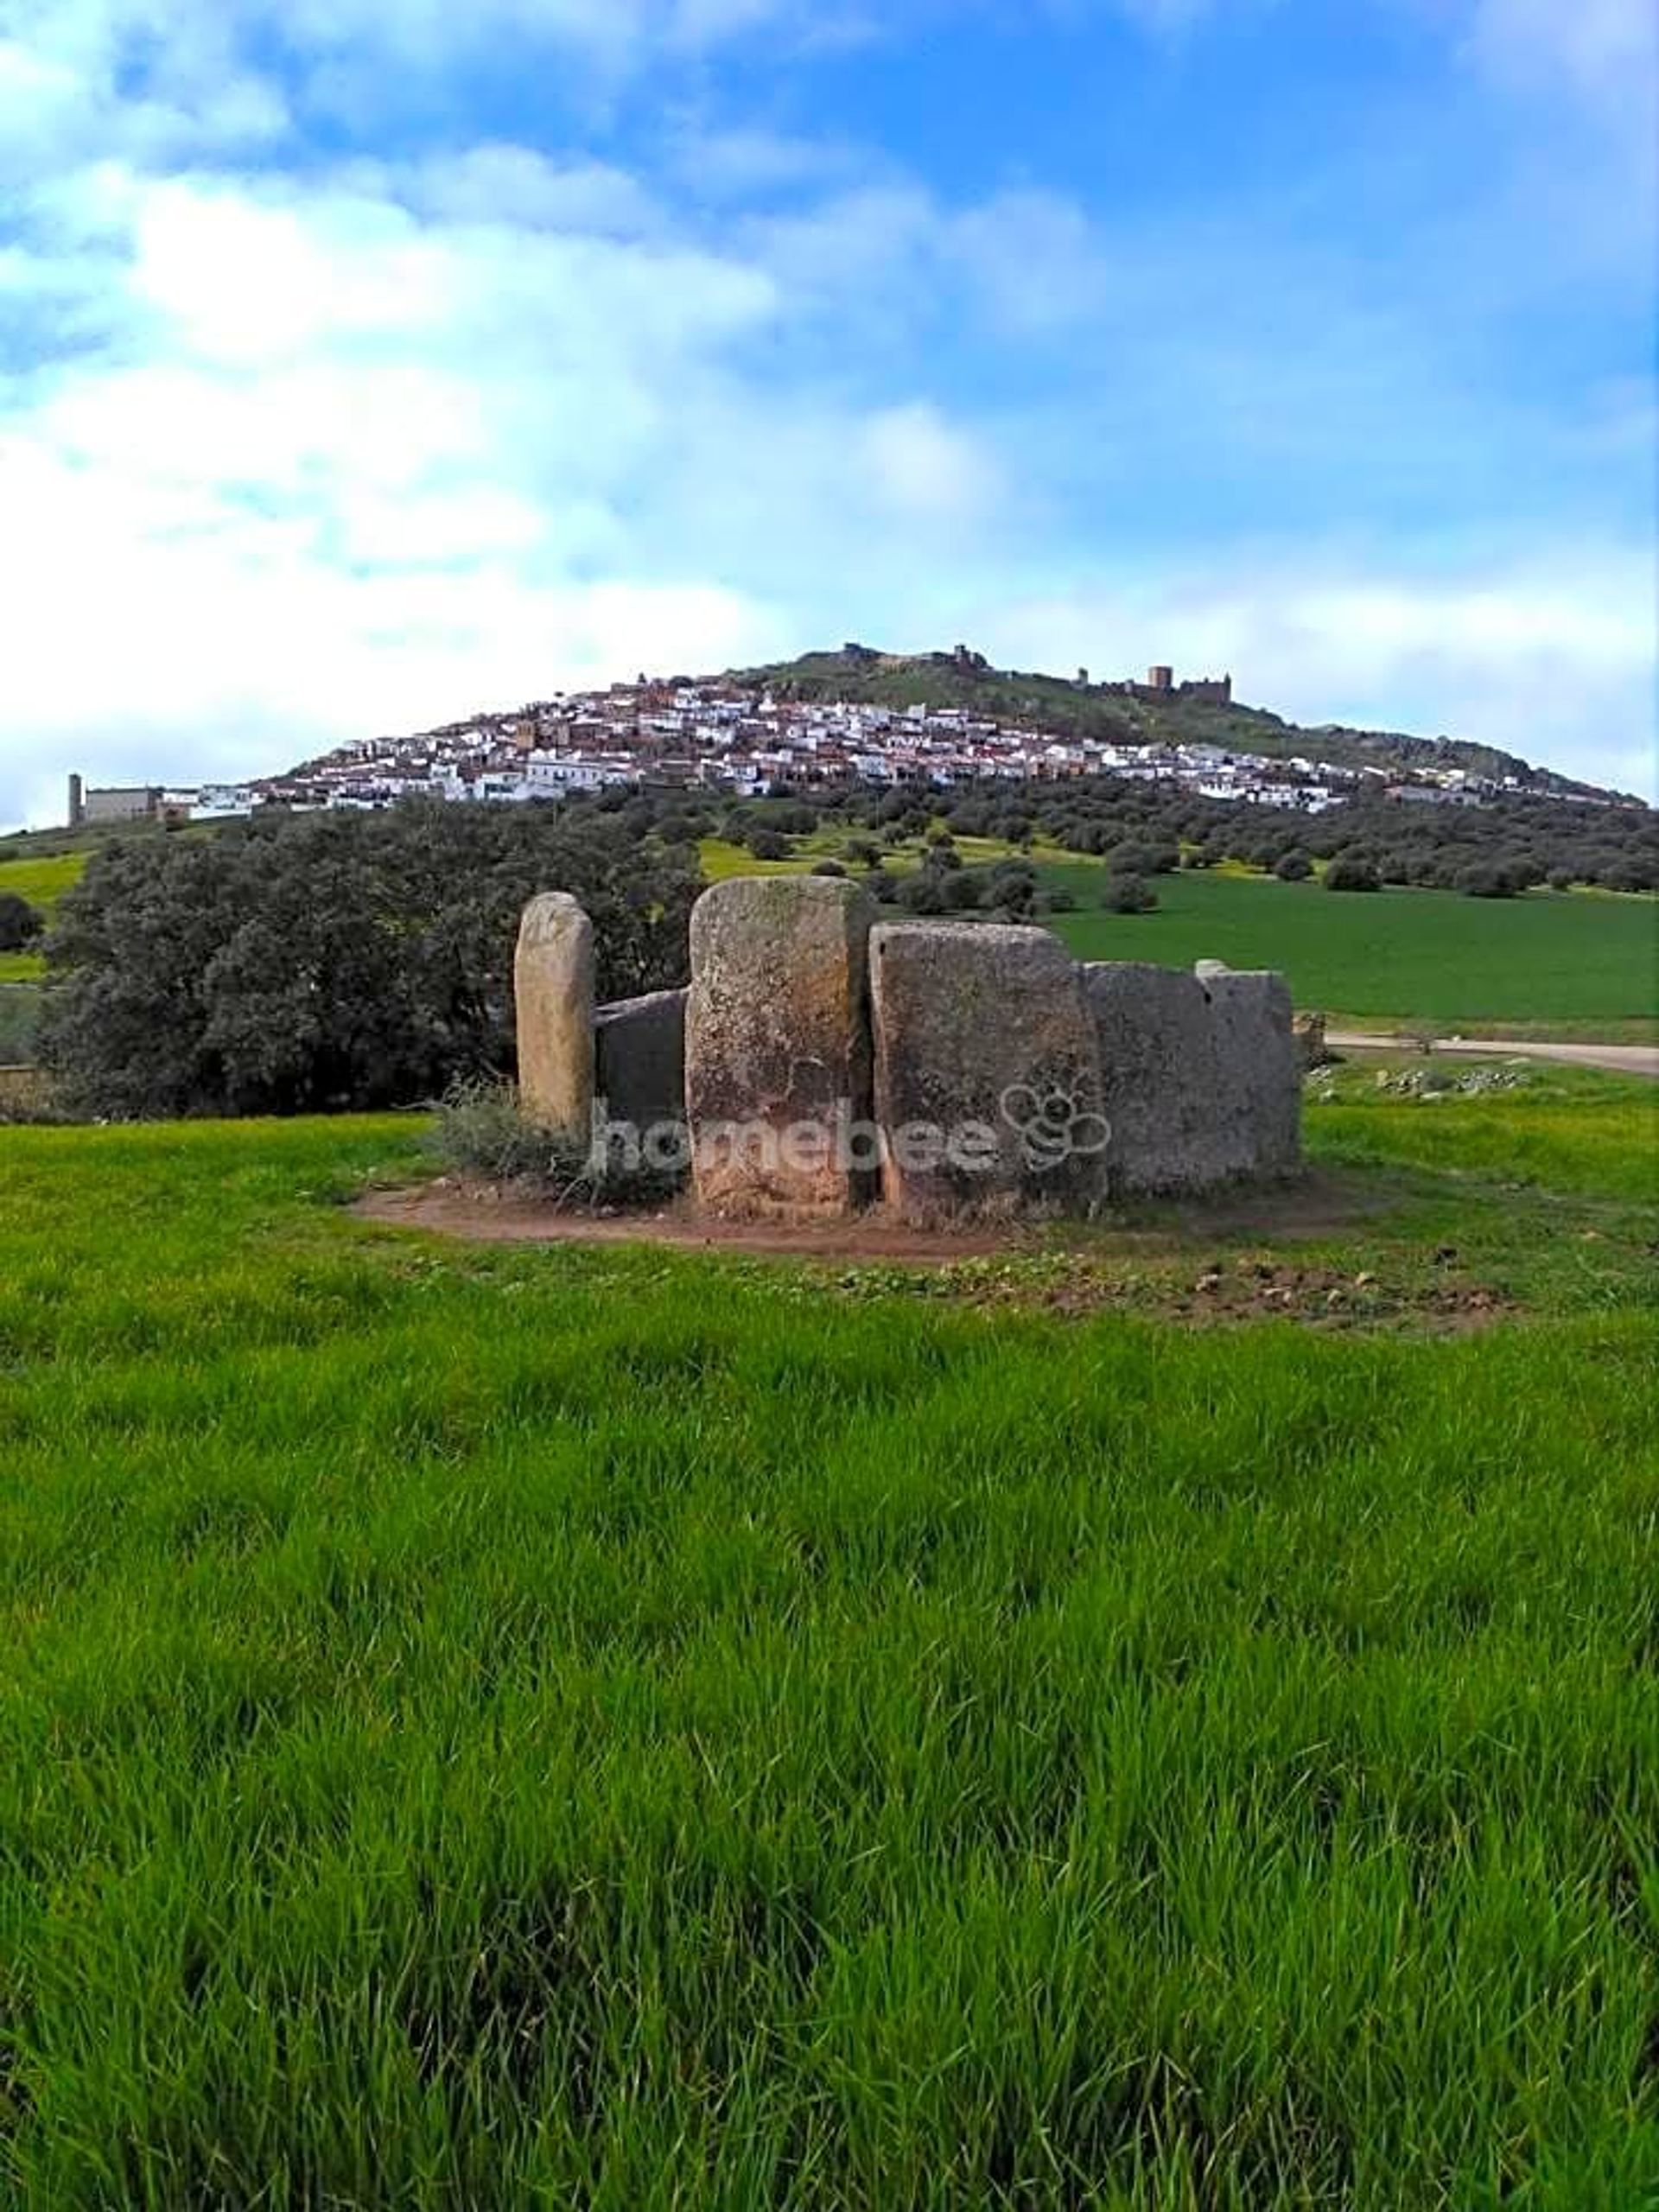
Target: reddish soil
(1180, 1262)
(493, 1214)
(487, 1214)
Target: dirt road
(1621, 1059)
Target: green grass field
(1579, 963)
(722, 859)
(503, 1728)
(1548, 959)
(43, 882)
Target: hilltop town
(862, 716)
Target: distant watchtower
(77, 803)
(1160, 679)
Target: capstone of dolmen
(1156, 1035)
(776, 1045)
(640, 1059)
(986, 1078)
(553, 997)
(1258, 1071)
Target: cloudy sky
(364, 362)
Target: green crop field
(43, 882)
(503, 1726)
(1397, 955)
(1578, 964)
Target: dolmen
(825, 1058)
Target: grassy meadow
(521, 1726)
(1584, 958)
(1578, 963)
(1582, 963)
(43, 882)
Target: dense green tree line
(1496, 850)
(293, 965)
(298, 964)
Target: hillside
(1128, 714)
(828, 714)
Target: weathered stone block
(1258, 1073)
(777, 1044)
(1155, 1034)
(639, 1059)
(553, 998)
(987, 1076)
(1308, 1029)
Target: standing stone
(987, 1076)
(553, 995)
(1258, 1073)
(1308, 1029)
(777, 1044)
(639, 1059)
(1155, 1033)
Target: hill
(1133, 713)
(747, 729)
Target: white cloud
(84, 78)
(345, 459)
(1035, 260)
(1553, 658)
(511, 185)
(925, 469)
(286, 455)
(1607, 50)
(225, 642)
(246, 282)
(866, 248)
(742, 162)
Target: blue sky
(363, 362)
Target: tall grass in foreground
(561, 1727)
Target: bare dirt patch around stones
(1179, 1261)
(499, 1214)
(492, 1213)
